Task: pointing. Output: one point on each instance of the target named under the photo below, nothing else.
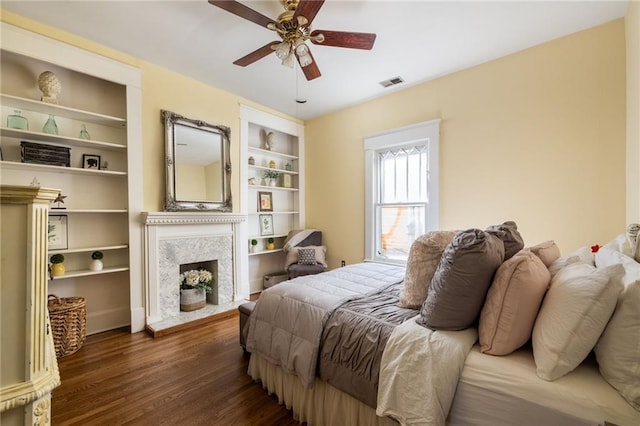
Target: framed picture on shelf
(90, 161)
(265, 202)
(58, 232)
(266, 224)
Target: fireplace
(176, 242)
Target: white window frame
(425, 133)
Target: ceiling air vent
(392, 82)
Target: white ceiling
(416, 40)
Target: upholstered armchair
(305, 254)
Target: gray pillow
(511, 238)
(462, 279)
(307, 256)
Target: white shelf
(281, 188)
(255, 213)
(87, 249)
(60, 140)
(86, 272)
(267, 152)
(258, 253)
(288, 172)
(72, 113)
(58, 169)
(55, 211)
(264, 237)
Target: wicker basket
(68, 323)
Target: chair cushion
(298, 270)
(292, 255)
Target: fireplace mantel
(191, 218)
(164, 227)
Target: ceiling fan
(294, 28)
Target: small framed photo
(58, 232)
(265, 202)
(266, 224)
(90, 161)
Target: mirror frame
(171, 120)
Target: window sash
(403, 174)
(398, 225)
(422, 134)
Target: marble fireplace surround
(174, 238)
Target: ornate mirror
(198, 164)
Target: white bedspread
(420, 371)
(286, 324)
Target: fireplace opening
(208, 265)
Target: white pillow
(618, 350)
(573, 315)
(620, 244)
(581, 255)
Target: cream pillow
(621, 244)
(512, 304)
(581, 255)
(424, 257)
(618, 350)
(573, 315)
(292, 255)
(548, 252)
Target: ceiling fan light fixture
(283, 50)
(288, 61)
(302, 51)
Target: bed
(306, 348)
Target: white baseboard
(107, 319)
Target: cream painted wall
(163, 89)
(632, 26)
(537, 137)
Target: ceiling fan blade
(311, 71)
(308, 8)
(242, 11)
(256, 54)
(345, 39)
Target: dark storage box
(38, 153)
(273, 279)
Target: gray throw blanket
(354, 339)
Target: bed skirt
(322, 404)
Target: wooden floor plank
(197, 376)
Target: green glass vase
(50, 126)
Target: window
(401, 169)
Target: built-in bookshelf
(270, 144)
(100, 200)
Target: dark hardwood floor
(197, 376)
